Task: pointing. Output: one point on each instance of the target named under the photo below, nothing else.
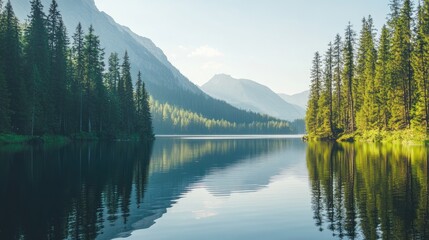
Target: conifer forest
(374, 80)
(57, 85)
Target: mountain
(144, 55)
(164, 82)
(299, 99)
(249, 95)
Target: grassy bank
(11, 139)
(14, 139)
(408, 137)
(6, 139)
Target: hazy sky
(269, 41)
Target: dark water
(214, 188)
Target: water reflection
(73, 192)
(368, 191)
(102, 191)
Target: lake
(221, 187)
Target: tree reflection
(102, 191)
(369, 191)
(60, 193)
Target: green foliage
(383, 89)
(170, 119)
(11, 62)
(13, 139)
(37, 61)
(326, 99)
(4, 105)
(143, 115)
(49, 89)
(311, 119)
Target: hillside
(252, 96)
(300, 99)
(164, 82)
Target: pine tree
(311, 119)
(78, 59)
(325, 102)
(364, 84)
(4, 91)
(382, 80)
(4, 105)
(126, 95)
(112, 78)
(420, 60)
(359, 81)
(94, 90)
(337, 52)
(58, 43)
(139, 95)
(113, 74)
(37, 105)
(395, 8)
(144, 119)
(37, 57)
(402, 80)
(348, 77)
(12, 62)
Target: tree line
(51, 84)
(362, 83)
(172, 119)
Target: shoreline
(16, 139)
(405, 137)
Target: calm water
(214, 188)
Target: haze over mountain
(249, 95)
(299, 99)
(164, 82)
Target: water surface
(214, 188)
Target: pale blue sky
(269, 41)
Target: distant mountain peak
(250, 95)
(299, 99)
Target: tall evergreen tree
(94, 89)
(311, 118)
(78, 59)
(395, 8)
(112, 78)
(12, 63)
(348, 77)
(365, 91)
(113, 74)
(402, 81)
(144, 118)
(325, 102)
(126, 94)
(382, 80)
(139, 94)
(58, 43)
(37, 57)
(337, 52)
(420, 60)
(4, 91)
(4, 105)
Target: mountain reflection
(368, 191)
(101, 191)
